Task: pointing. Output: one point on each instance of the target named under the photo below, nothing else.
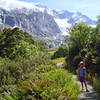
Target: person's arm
(85, 72)
(78, 73)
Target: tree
(98, 23)
(79, 39)
(79, 35)
(62, 51)
(10, 38)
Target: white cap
(81, 62)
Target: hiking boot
(87, 90)
(82, 89)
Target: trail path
(60, 64)
(91, 95)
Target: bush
(62, 51)
(95, 81)
(84, 52)
(52, 85)
(26, 51)
(73, 51)
(12, 37)
(13, 71)
(76, 61)
(1, 60)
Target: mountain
(66, 19)
(47, 25)
(34, 20)
(37, 23)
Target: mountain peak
(63, 18)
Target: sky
(91, 8)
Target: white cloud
(13, 4)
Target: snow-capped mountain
(34, 20)
(66, 19)
(42, 22)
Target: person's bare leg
(82, 85)
(86, 86)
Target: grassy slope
(46, 82)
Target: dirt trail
(91, 95)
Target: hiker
(82, 75)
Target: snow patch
(63, 25)
(0, 21)
(49, 11)
(93, 25)
(78, 17)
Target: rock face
(66, 19)
(36, 23)
(72, 17)
(41, 25)
(47, 25)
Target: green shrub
(84, 52)
(12, 37)
(11, 71)
(97, 61)
(62, 51)
(45, 68)
(1, 60)
(95, 81)
(73, 51)
(53, 85)
(26, 50)
(76, 61)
